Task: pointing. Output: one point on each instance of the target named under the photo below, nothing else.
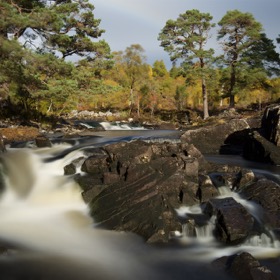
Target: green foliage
(159, 69)
(184, 39)
(35, 75)
(239, 32)
(262, 55)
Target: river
(46, 226)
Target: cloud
(139, 21)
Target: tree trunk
(232, 81)
(131, 101)
(204, 92)
(205, 99)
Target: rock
(43, 142)
(233, 222)
(71, 168)
(2, 144)
(2, 180)
(206, 189)
(258, 148)
(243, 267)
(143, 184)
(271, 124)
(265, 193)
(210, 139)
(96, 164)
(16, 134)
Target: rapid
(45, 225)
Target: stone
(206, 189)
(233, 221)
(258, 148)
(271, 124)
(266, 194)
(42, 142)
(245, 267)
(209, 140)
(71, 168)
(2, 144)
(143, 185)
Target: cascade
(46, 222)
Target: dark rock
(233, 222)
(2, 144)
(210, 139)
(206, 189)
(95, 164)
(246, 267)
(89, 194)
(42, 142)
(271, 124)
(88, 181)
(143, 184)
(2, 180)
(258, 148)
(245, 178)
(71, 168)
(265, 193)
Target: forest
(54, 60)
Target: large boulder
(19, 134)
(271, 124)
(211, 139)
(137, 186)
(244, 267)
(258, 148)
(266, 194)
(233, 222)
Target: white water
(115, 126)
(43, 215)
(262, 245)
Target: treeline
(39, 40)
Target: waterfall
(46, 226)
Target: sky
(128, 22)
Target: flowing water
(45, 224)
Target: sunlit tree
(185, 39)
(239, 32)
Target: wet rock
(206, 189)
(210, 139)
(43, 142)
(71, 168)
(258, 148)
(265, 193)
(96, 164)
(233, 222)
(245, 178)
(2, 144)
(88, 181)
(144, 183)
(271, 124)
(243, 266)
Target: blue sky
(139, 21)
